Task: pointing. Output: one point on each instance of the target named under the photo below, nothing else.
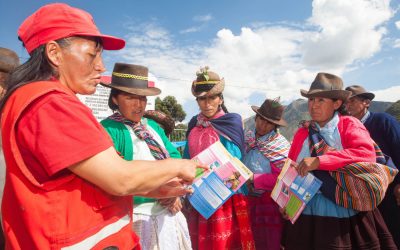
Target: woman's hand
(175, 206)
(173, 188)
(250, 183)
(187, 169)
(166, 202)
(284, 214)
(307, 164)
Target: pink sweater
(356, 141)
(267, 181)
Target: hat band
(324, 84)
(206, 82)
(131, 76)
(269, 116)
(129, 81)
(277, 118)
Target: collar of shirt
(365, 117)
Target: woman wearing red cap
(67, 188)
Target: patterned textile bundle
(360, 186)
(275, 149)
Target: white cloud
(203, 18)
(190, 30)
(397, 24)
(396, 43)
(346, 31)
(387, 95)
(270, 60)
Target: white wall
(98, 102)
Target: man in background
(385, 131)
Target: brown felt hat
(8, 60)
(272, 111)
(132, 79)
(207, 83)
(357, 90)
(328, 86)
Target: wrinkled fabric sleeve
(357, 146)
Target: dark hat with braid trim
(207, 83)
(132, 79)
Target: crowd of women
(76, 184)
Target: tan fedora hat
(207, 83)
(328, 86)
(357, 90)
(272, 111)
(132, 79)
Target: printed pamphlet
(213, 187)
(292, 191)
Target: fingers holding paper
(307, 164)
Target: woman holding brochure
(323, 224)
(160, 223)
(266, 152)
(228, 227)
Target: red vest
(67, 212)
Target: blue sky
(263, 49)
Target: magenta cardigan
(356, 141)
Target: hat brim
(280, 122)
(367, 95)
(143, 92)
(332, 94)
(109, 42)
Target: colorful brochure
(292, 191)
(213, 187)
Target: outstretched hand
(307, 164)
(187, 171)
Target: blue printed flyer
(214, 187)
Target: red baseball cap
(58, 20)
